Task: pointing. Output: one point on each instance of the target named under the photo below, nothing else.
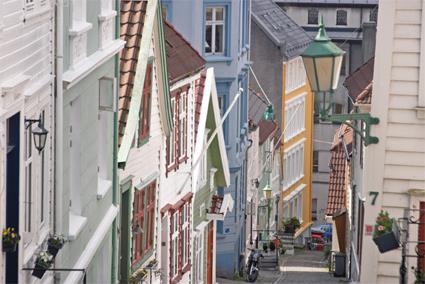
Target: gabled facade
(85, 195)
(185, 73)
(26, 92)
(211, 174)
(294, 105)
(144, 121)
(393, 169)
(219, 31)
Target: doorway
(210, 252)
(12, 191)
(124, 250)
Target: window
(373, 15)
(343, 71)
(180, 241)
(293, 164)
(28, 180)
(145, 110)
(199, 257)
(75, 130)
(341, 17)
(177, 142)
(294, 119)
(313, 16)
(337, 108)
(295, 75)
(138, 221)
(315, 161)
(314, 209)
(214, 30)
(143, 222)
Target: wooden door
(210, 252)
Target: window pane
(219, 14)
(313, 16)
(209, 14)
(208, 38)
(219, 38)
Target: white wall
(395, 167)
(26, 56)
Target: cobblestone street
(303, 267)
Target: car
(316, 242)
(325, 230)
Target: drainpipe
(115, 153)
(58, 125)
(58, 174)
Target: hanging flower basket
(387, 234)
(42, 263)
(10, 240)
(54, 244)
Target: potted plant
(54, 244)
(291, 225)
(419, 276)
(386, 234)
(42, 263)
(10, 239)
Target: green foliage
(291, 225)
(56, 241)
(419, 276)
(44, 259)
(384, 224)
(10, 237)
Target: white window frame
(213, 23)
(29, 187)
(171, 148)
(185, 231)
(346, 17)
(204, 162)
(175, 245)
(294, 164)
(295, 77)
(297, 125)
(183, 124)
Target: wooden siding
(401, 133)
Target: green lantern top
(322, 46)
(269, 113)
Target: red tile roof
(132, 22)
(339, 177)
(268, 129)
(358, 81)
(182, 59)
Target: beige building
(394, 169)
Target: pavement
(303, 267)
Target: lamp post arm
(346, 119)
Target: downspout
(58, 126)
(58, 174)
(115, 152)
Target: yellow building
(297, 144)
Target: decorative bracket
(346, 119)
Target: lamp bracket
(348, 119)
(29, 122)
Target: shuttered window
(145, 109)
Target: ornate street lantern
(267, 191)
(322, 61)
(39, 133)
(269, 113)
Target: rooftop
(359, 83)
(339, 166)
(132, 22)
(279, 27)
(330, 2)
(182, 59)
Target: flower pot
(53, 250)
(388, 241)
(10, 248)
(38, 271)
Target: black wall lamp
(39, 132)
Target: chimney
(369, 40)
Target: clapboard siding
(402, 135)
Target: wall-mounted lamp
(39, 132)
(255, 182)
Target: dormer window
(341, 17)
(313, 16)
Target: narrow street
(303, 267)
